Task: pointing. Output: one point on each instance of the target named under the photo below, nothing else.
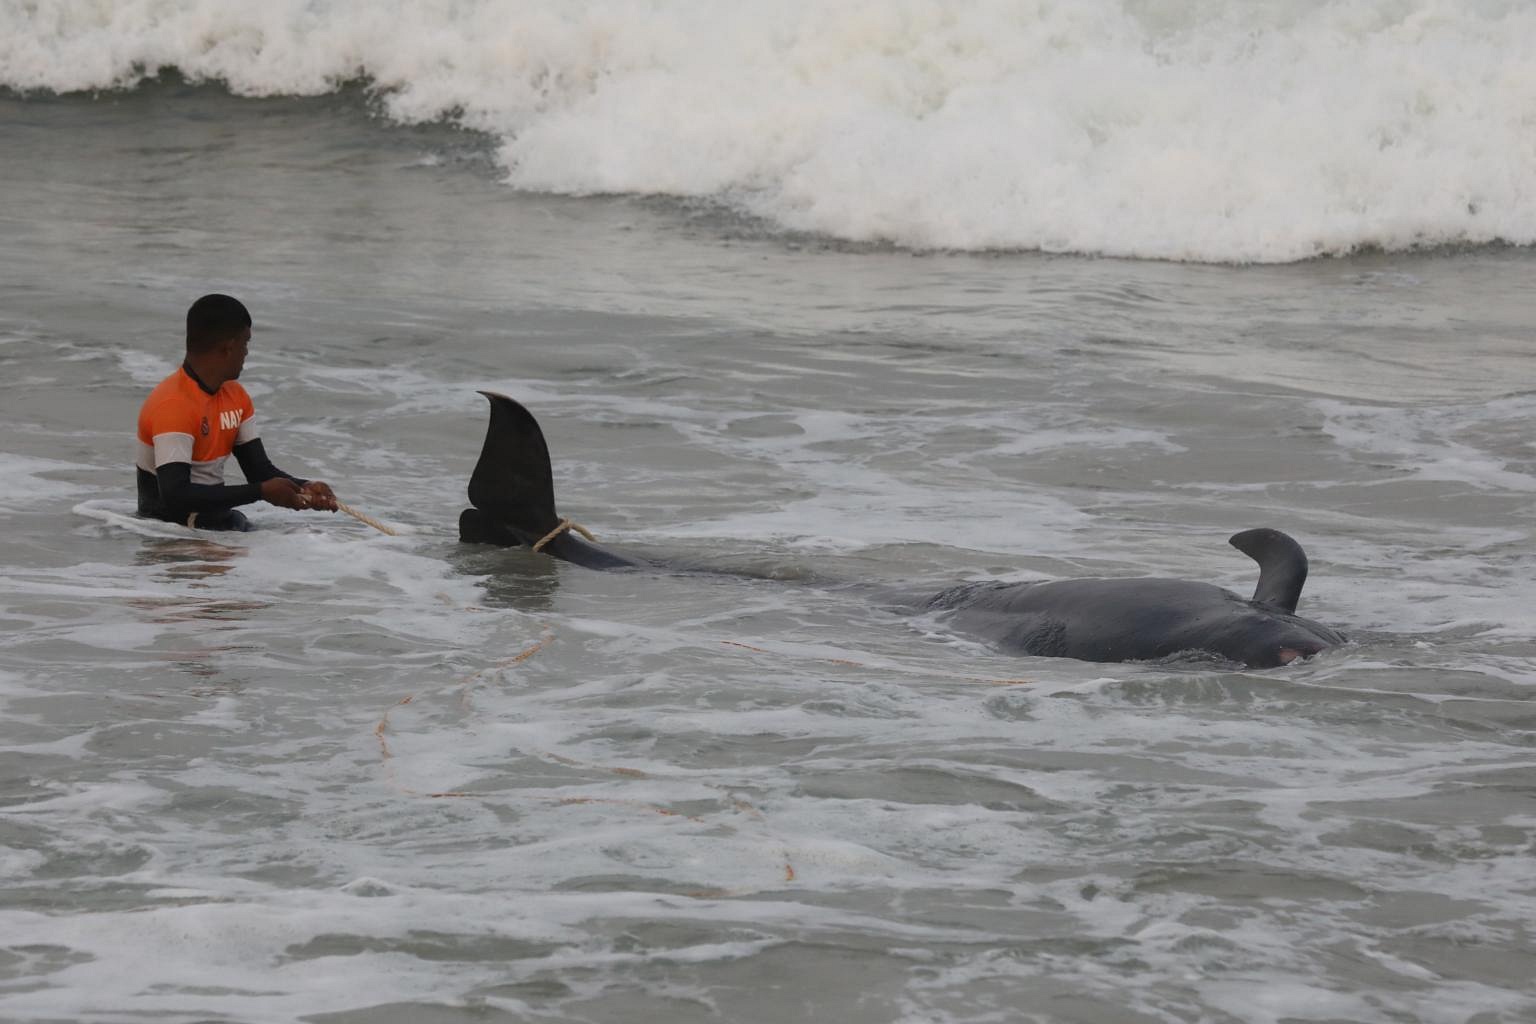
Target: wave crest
(1211, 130)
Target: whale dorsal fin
(1282, 565)
(512, 481)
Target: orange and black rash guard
(186, 435)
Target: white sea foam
(120, 513)
(1212, 130)
(1428, 442)
(33, 481)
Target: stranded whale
(513, 497)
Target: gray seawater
(316, 773)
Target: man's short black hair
(213, 319)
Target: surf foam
(1210, 130)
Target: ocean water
(902, 292)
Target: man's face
(235, 350)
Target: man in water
(200, 415)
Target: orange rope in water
(360, 517)
(381, 730)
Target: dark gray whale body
(1132, 620)
(512, 491)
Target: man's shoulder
(169, 406)
(171, 385)
(168, 391)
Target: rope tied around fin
(565, 524)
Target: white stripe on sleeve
(210, 472)
(172, 448)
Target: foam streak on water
(1177, 129)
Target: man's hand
(283, 493)
(319, 494)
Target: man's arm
(252, 456)
(172, 440)
(178, 492)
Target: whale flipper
(1282, 566)
(512, 482)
